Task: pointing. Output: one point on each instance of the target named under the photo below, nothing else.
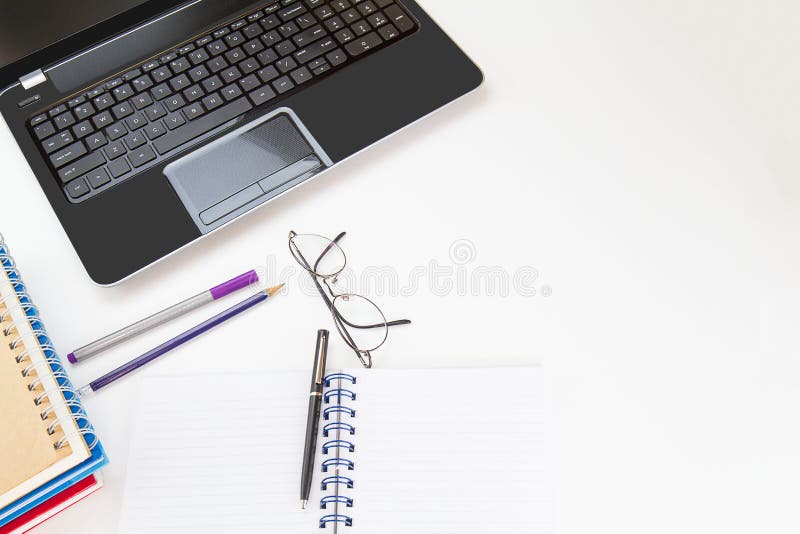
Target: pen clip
(321, 356)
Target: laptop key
(179, 83)
(123, 92)
(142, 101)
(231, 92)
(155, 130)
(44, 129)
(193, 111)
(249, 83)
(84, 110)
(77, 189)
(161, 91)
(212, 101)
(64, 120)
(175, 102)
(81, 166)
(67, 154)
(57, 141)
(135, 140)
(142, 83)
(58, 110)
(82, 129)
(363, 44)
(344, 36)
(199, 56)
(98, 178)
(103, 101)
(193, 93)
(96, 140)
(115, 150)
(259, 96)
(121, 111)
(301, 75)
(286, 64)
(179, 65)
(103, 120)
(399, 18)
(283, 84)
(38, 119)
(115, 131)
(135, 121)
(173, 120)
(118, 167)
(389, 32)
(155, 112)
(212, 84)
(141, 156)
(336, 58)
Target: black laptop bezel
(84, 39)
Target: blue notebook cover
(98, 457)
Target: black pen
(314, 405)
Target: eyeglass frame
(364, 356)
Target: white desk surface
(642, 157)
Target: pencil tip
(271, 291)
(303, 504)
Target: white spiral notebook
(423, 451)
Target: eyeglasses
(360, 322)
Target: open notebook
(423, 451)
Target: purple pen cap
(240, 282)
(71, 357)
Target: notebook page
(25, 446)
(219, 453)
(450, 451)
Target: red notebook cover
(48, 509)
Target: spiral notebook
(46, 441)
(411, 451)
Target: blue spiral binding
(338, 444)
(338, 399)
(337, 479)
(51, 357)
(338, 393)
(347, 501)
(326, 413)
(339, 376)
(335, 518)
(338, 425)
(331, 462)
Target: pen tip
(303, 504)
(271, 291)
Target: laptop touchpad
(245, 168)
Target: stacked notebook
(49, 453)
(400, 451)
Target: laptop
(151, 124)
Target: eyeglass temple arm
(328, 301)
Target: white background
(642, 156)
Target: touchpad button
(245, 168)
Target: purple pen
(177, 341)
(226, 288)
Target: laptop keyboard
(101, 137)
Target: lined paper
(451, 451)
(218, 453)
(437, 451)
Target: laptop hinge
(33, 79)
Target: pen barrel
(312, 430)
(146, 324)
